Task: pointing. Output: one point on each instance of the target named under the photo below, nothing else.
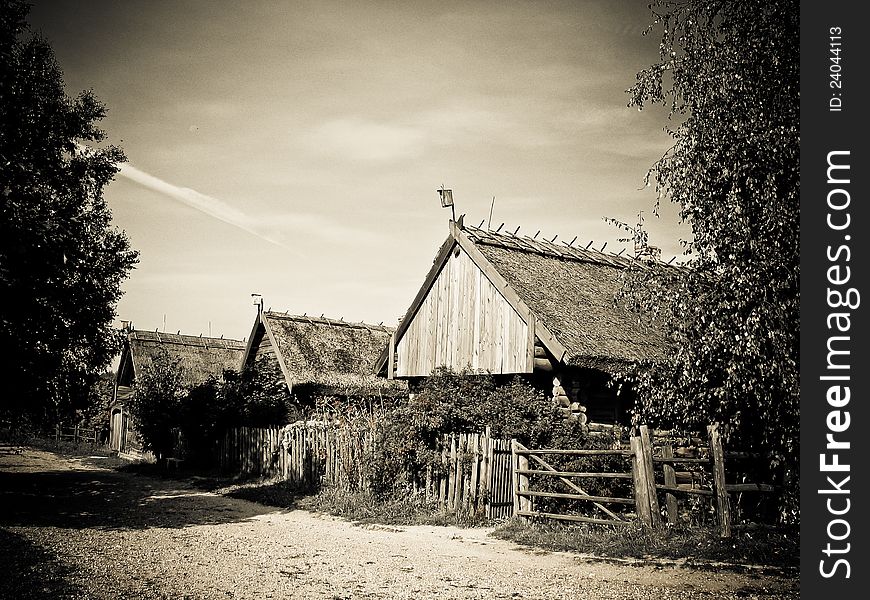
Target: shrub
(406, 439)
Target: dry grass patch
(751, 545)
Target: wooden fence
(702, 473)
(691, 467)
(77, 434)
(475, 476)
(306, 454)
(480, 475)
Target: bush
(406, 439)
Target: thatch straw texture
(331, 357)
(573, 292)
(199, 357)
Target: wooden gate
(531, 464)
(475, 475)
(644, 461)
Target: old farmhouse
(199, 358)
(319, 357)
(508, 304)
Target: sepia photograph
(472, 299)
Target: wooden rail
(574, 474)
(653, 472)
(77, 434)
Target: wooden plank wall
(464, 321)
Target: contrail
(213, 207)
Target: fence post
(442, 477)
(520, 462)
(451, 491)
(638, 477)
(474, 451)
(516, 484)
(723, 506)
(646, 443)
(486, 474)
(641, 504)
(523, 464)
(670, 481)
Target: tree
(61, 261)
(157, 401)
(259, 396)
(728, 74)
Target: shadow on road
(110, 500)
(32, 572)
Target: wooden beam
(288, 379)
(608, 499)
(575, 518)
(530, 348)
(577, 474)
(641, 489)
(670, 480)
(391, 364)
(523, 450)
(550, 342)
(685, 489)
(250, 344)
(750, 487)
(723, 505)
(646, 444)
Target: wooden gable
(463, 321)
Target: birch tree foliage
(728, 75)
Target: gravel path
(69, 529)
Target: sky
(294, 149)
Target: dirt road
(70, 529)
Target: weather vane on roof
(447, 200)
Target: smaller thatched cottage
(320, 357)
(510, 305)
(200, 358)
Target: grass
(95, 454)
(362, 506)
(758, 545)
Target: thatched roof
(570, 293)
(199, 357)
(325, 356)
(573, 291)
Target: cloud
(365, 140)
(209, 205)
(272, 228)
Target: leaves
(728, 72)
(157, 400)
(61, 261)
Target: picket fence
(481, 475)
(307, 454)
(474, 476)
